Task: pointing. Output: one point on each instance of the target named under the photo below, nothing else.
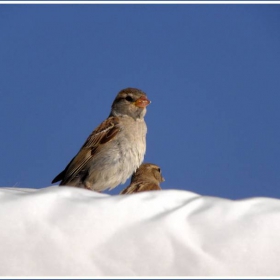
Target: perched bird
(146, 178)
(115, 149)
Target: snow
(64, 231)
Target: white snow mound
(64, 231)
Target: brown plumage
(115, 149)
(146, 178)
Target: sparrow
(114, 150)
(146, 178)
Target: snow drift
(63, 231)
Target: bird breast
(133, 146)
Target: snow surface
(63, 231)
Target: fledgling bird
(146, 178)
(115, 149)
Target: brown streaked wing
(77, 164)
(140, 187)
(105, 132)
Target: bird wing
(140, 187)
(104, 133)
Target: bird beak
(142, 102)
(162, 179)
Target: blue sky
(211, 71)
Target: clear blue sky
(211, 71)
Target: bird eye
(159, 170)
(129, 98)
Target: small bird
(115, 149)
(146, 178)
